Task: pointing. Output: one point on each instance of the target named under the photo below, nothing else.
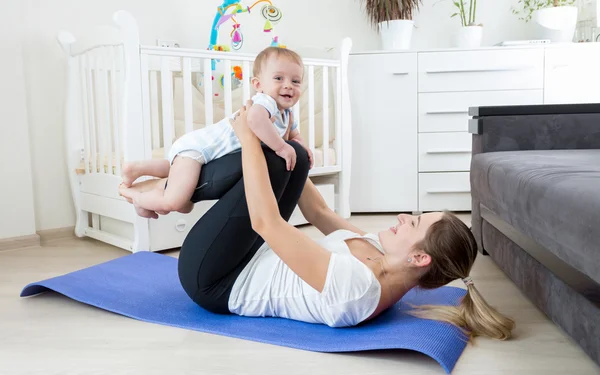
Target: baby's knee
(302, 161)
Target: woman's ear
(420, 259)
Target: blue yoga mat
(146, 286)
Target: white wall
(435, 28)
(16, 190)
(308, 26)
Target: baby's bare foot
(189, 206)
(130, 173)
(145, 213)
(126, 192)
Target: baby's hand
(288, 153)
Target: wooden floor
(50, 334)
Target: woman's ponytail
(453, 249)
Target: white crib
(127, 101)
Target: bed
(126, 101)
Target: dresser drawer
(441, 152)
(444, 191)
(449, 112)
(388, 64)
(515, 69)
(566, 70)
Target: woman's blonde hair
(453, 249)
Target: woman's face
(400, 238)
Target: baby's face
(281, 78)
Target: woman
(243, 257)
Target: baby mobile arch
(228, 12)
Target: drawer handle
(448, 191)
(512, 69)
(448, 112)
(400, 73)
(449, 151)
(181, 225)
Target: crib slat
(154, 106)
(152, 137)
(106, 123)
(208, 92)
(114, 55)
(296, 112)
(99, 94)
(338, 115)
(325, 116)
(83, 67)
(91, 111)
(188, 114)
(311, 107)
(246, 80)
(97, 100)
(227, 88)
(166, 82)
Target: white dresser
(411, 146)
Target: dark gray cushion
(551, 196)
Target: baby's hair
(269, 52)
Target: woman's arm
(315, 210)
(304, 256)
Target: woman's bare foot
(130, 173)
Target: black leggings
(222, 242)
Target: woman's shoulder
(351, 291)
(342, 234)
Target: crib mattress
(158, 153)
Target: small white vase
(468, 37)
(396, 34)
(556, 23)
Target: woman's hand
(240, 123)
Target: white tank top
(268, 287)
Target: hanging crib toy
(228, 10)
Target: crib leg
(343, 195)
(141, 235)
(81, 222)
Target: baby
(278, 74)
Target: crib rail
(98, 82)
(182, 92)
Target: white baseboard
(50, 235)
(32, 240)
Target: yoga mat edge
(99, 286)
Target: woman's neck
(400, 279)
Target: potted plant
(393, 20)
(470, 33)
(556, 20)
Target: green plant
(387, 10)
(462, 12)
(527, 7)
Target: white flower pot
(468, 37)
(396, 34)
(556, 23)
